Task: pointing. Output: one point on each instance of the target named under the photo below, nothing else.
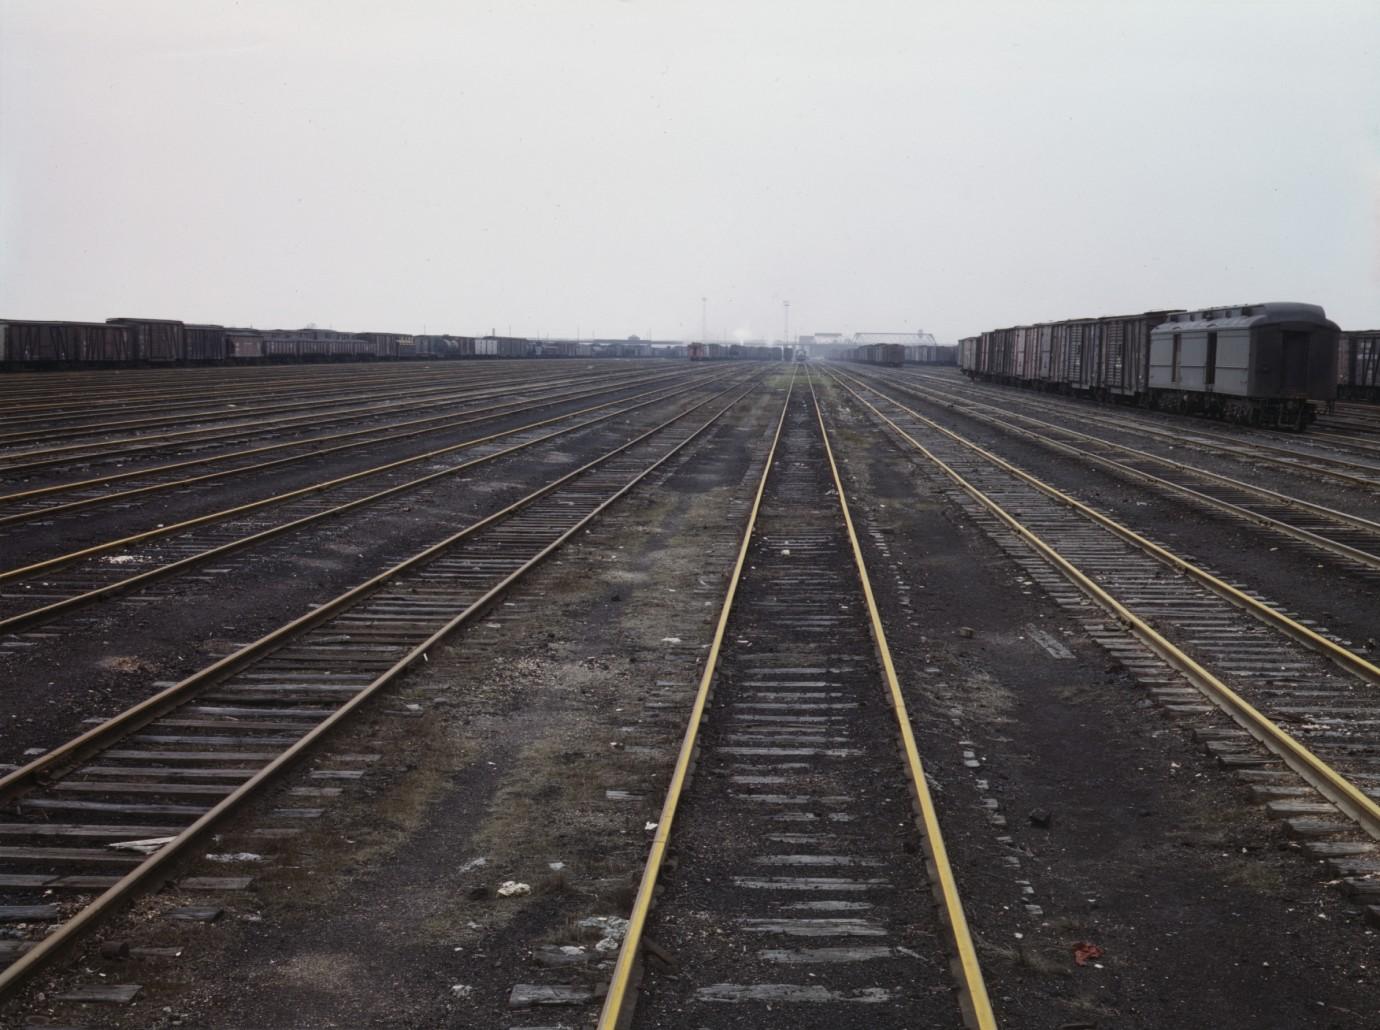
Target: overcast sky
(599, 166)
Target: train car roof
(53, 321)
(1244, 316)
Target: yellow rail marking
(1326, 780)
(623, 969)
(956, 402)
(68, 932)
(1348, 660)
(976, 1003)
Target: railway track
(1335, 532)
(1299, 456)
(237, 428)
(63, 583)
(1200, 644)
(1351, 417)
(238, 407)
(54, 394)
(37, 502)
(800, 896)
(173, 767)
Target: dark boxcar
(893, 355)
(204, 343)
(378, 345)
(244, 344)
(68, 343)
(1073, 344)
(1358, 365)
(1126, 352)
(158, 340)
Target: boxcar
(28, 342)
(1358, 365)
(155, 340)
(377, 345)
(244, 344)
(893, 355)
(204, 343)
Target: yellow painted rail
(977, 1007)
(974, 1001)
(159, 866)
(1347, 796)
(623, 981)
(1348, 660)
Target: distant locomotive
(1257, 364)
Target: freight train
(734, 352)
(1256, 364)
(161, 341)
(894, 355)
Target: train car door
(1295, 362)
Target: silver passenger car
(1260, 364)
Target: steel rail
(976, 1005)
(96, 399)
(962, 406)
(1339, 655)
(375, 435)
(168, 402)
(19, 621)
(57, 561)
(403, 397)
(1332, 785)
(20, 461)
(148, 870)
(1194, 436)
(628, 962)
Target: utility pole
(786, 337)
(704, 320)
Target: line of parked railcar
(931, 354)
(736, 352)
(1257, 364)
(159, 341)
(894, 355)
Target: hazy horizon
(597, 167)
